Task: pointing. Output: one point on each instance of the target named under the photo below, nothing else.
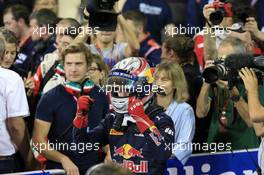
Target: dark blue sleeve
(99, 108)
(45, 111)
(166, 13)
(154, 57)
(130, 5)
(106, 106)
(260, 13)
(195, 13)
(99, 134)
(162, 145)
(192, 10)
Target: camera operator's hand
(234, 92)
(209, 63)
(207, 10)
(86, 13)
(116, 8)
(222, 84)
(252, 27)
(250, 79)
(85, 33)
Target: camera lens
(214, 73)
(216, 17)
(210, 74)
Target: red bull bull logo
(141, 168)
(127, 151)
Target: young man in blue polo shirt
(158, 14)
(149, 48)
(57, 109)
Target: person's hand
(234, 92)
(29, 84)
(136, 110)
(250, 79)
(245, 36)
(116, 8)
(29, 81)
(252, 27)
(69, 166)
(207, 10)
(83, 104)
(209, 63)
(108, 158)
(86, 14)
(222, 84)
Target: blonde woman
(173, 94)
(98, 71)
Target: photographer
(224, 19)
(113, 52)
(250, 80)
(256, 109)
(206, 41)
(230, 122)
(149, 48)
(106, 21)
(252, 27)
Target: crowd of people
(126, 99)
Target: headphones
(78, 89)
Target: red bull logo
(127, 151)
(141, 168)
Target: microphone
(238, 61)
(161, 92)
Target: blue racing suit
(142, 153)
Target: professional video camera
(227, 69)
(222, 9)
(102, 14)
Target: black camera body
(216, 72)
(106, 4)
(227, 69)
(102, 14)
(222, 9)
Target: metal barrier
(40, 172)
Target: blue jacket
(144, 153)
(150, 50)
(158, 14)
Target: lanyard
(109, 61)
(222, 118)
(99, 50)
